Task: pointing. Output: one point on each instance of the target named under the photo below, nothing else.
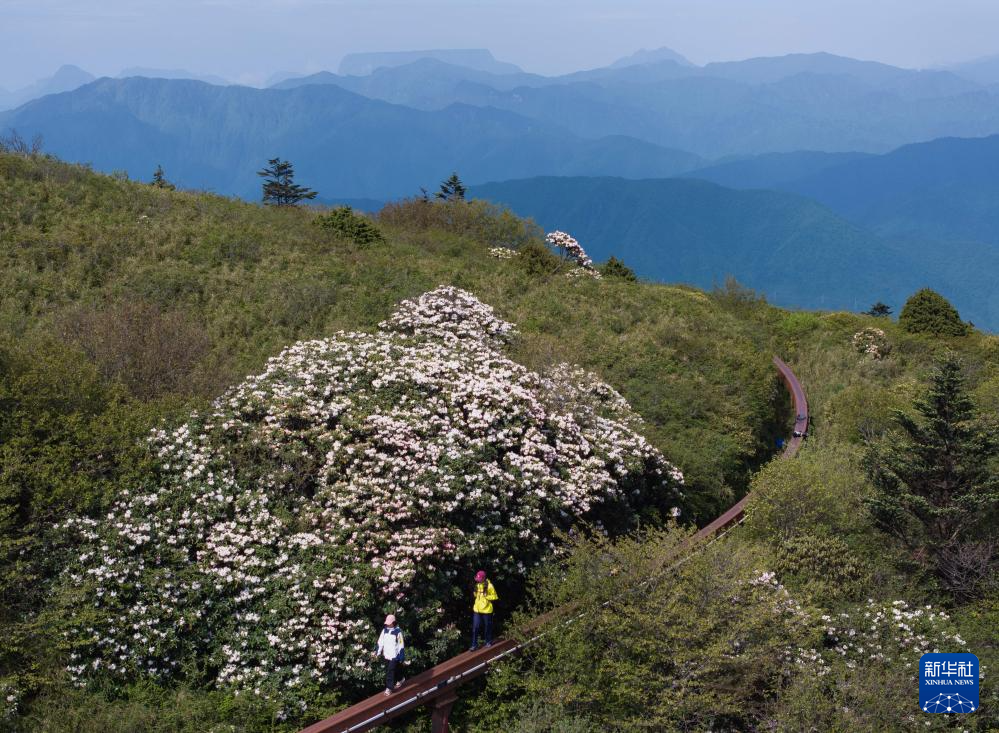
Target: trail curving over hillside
(437, 687)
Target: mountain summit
(653, 56)
(362, 64)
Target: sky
(248, 40)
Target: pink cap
(480, 576)
(390, 620)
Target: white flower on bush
(501, 253)
(9, 698)
(872, 342)
(574, 251)
(355, 474)
(890, 633)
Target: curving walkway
(437, 687)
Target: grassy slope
(252, 280)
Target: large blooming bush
(356, 474)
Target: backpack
(401, 656)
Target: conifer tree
(879, 310)
(452, 189)
(160, 181)
(279, 187)
(936, 484)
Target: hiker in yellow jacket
(482, 610)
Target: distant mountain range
(343, 144)
(782, 104)
(818, 102)
(945, 189)
(796, 251)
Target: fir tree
(936, 486)
(879, 310)
(279, 187)
(452, 189)
(160, 181)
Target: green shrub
(825, 566)
(821, 491)
(482, 221)
(615, 268)
(926, 311)
(537, 260)
(345, 224)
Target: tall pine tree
(936, 483)
(279, 187)
(452, 189)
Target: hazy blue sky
(247, 40)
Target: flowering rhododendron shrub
(574, 250)
(356, 474)
(872, 342)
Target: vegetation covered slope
(124, 307)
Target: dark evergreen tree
(160, 181)
(279, 187)
(452, 189)
(936, 483)
(879, 310)
(615, 268)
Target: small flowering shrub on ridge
(574, 250)
(356, 474)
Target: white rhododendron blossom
(574, 250)
(873, 342)
(356, 474)
(889, 634)
(886, 633)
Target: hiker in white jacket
(391, 648)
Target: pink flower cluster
(573, 249)
(356, 474)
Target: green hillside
(126, 308)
